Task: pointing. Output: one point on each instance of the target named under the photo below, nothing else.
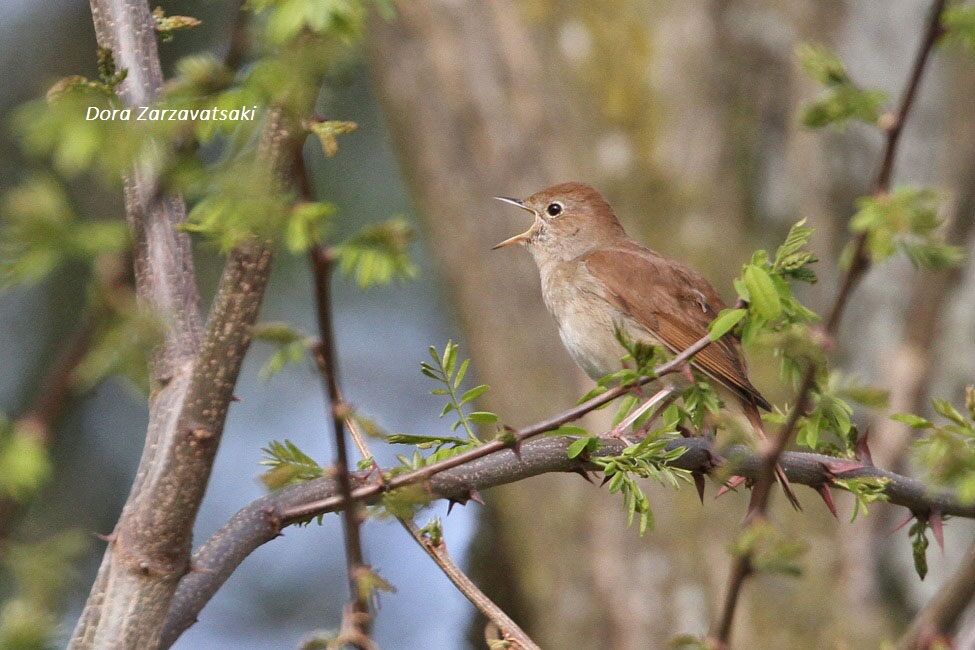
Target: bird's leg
(667, 401)
(654, 400)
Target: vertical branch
(193, 372)
(164, 273)
(322, 263)
(858, 266)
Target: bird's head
(570, 220)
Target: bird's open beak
(517, 239)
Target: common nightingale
(596, 280)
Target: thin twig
(859, 264)
(438, 553)
(322, 262)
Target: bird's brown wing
(676, 305)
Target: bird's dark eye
(554, 209)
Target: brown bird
(595, 280)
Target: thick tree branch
(193, 373)
(859, 264)
(265, 518)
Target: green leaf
(842, 104)
(307, 225)
(377, 255)
(122, 346)
(911, 420)
(919, 548)
(725, 322)
(288, 464)
(288, 19)
(945, 409)
(244, 203)
(792, 258)
(933, 255)
(327, 131)
(842, 99)
(473, 393)
(276, 332)
(449, 359)
(291, 346)
(762, 293)
(166, 25)
(461, 373)
(423, 440)
(483, 417)
(442, 371)
(578, 447)
(24, 462)
(959, 25)
(568, 430)
(821, 64)
(40, 231)
(866, 490)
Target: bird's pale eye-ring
(554, 209)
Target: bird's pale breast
(587, 321)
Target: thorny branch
(302, 510)
(265, 518)
(859, 264)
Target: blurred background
(685, 115)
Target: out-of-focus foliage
(241, 205)
(947, 450)
(842, 100)
(41, 231)
(40, 571)
(905, 219)
(378, 254)
(24, 462)
(959, 25)
(291, 346)
(126, 334)
(769, 550)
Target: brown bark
(193, 372)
